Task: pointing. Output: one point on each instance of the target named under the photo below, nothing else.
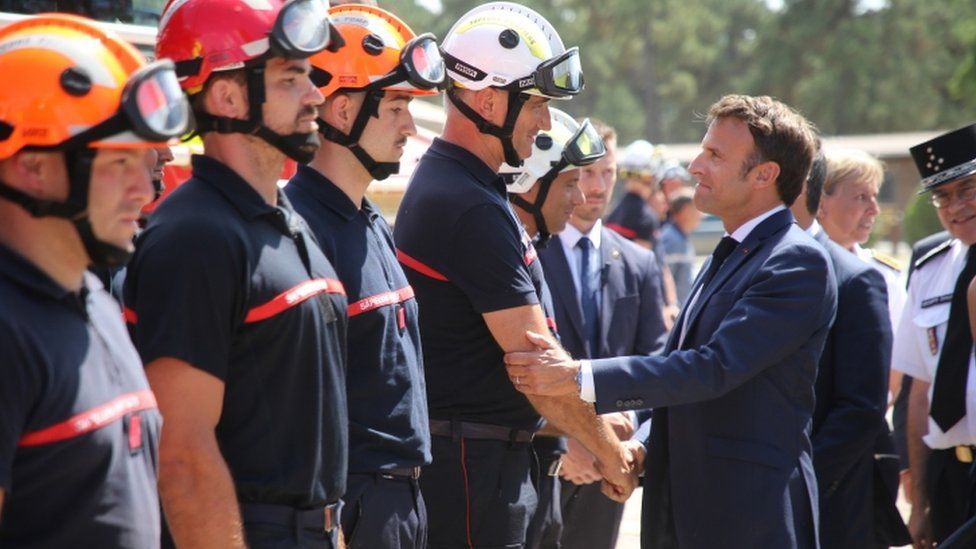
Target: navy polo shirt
(78, 424)
(466, 254)
(385, 380)
(239, 289)
(634, 219)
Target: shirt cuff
(587, 386)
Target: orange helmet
(77, 89)
(378, 44)
(381, 54)
(79, 85)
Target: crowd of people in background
(502, 367)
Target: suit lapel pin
(615, 253)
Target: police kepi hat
(946, 158)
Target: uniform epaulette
(934, 252)
(887, 261)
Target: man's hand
(621, 423)
(547, 371)
(579, 465)
(920, 527)
(618, 484)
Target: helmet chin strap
(75, 209)
(535, 208)
(504, 133)
(370, 107)
(299, 146)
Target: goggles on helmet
(421, 65)
(303, 28)
(152, 106)
(584, 148)
(560, 77)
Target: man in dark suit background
(626, 320)
(849, 427)
(729, 461)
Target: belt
(964, 453)
(324, 519)
(400, 472)
(467, 429)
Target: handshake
(619, 476)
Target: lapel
(561, 284)
(612, 264)
(746, 248)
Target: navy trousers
(383, 512)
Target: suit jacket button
(620, 404)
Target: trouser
(591, 520)
(384, 511)
(949, 488)
(279, 526)
(478, 492)
(546, 526)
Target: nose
(578, 197)
(545, 122)
(410, 128)
(141, 187)
(314, 97)
(165, 154)
(873, 208)
(695, 167)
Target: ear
(226, 97)
(766, 173)
(487, 102)
(36, 173)
(339, 110)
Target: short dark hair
(815, 181)
(781, 134)
(197, 99)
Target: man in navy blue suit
(628, 320)
(730, 459)
(857, 503)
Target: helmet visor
(561, 76)
(585, 147)
(154, 104)
(303, 28)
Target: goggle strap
(472, 72)
(36, 207)
(535, 210)
(483, 125)
(78, 163)
(255, 92)
(377, 170)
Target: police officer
(78, 424)
(235, 310)
(479, 284)
(364, 122)
(934, 345)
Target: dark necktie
(722, 251)
(949, 393)
(588, 297)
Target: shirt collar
(743, 231)
(571, 235)
(233, 187)
(326, 192)
(25, 274)
(474, 165)
(814, 228)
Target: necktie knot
(584, 243)
(724, 249)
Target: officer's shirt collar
(25, 274)
(235, 189)
(474, 165)
(330, 195)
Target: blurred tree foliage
(852, 66)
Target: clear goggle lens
(425, 62)
(154, 103)
(586, 146)
(567, 75)
(303, 27)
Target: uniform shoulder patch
(887, 261)
(934, 252)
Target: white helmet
(566, 146)
(639, 160)
(509, 46)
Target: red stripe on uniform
(374, 302)
(419, 267)
(129, 315)
(623, 231)
(467, 497)
(91, 420)
(294, 296)
(551, 322)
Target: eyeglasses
(943, 199)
